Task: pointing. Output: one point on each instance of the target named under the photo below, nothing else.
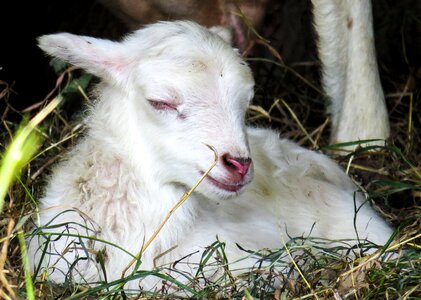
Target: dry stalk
(300, 125)
(298, 268)
(177, 205)
(369, 259)
(3, 257)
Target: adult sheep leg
(350, 72)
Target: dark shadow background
(288, 26)
(21, 22)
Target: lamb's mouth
(226, 186)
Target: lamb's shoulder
(105, 191)
(93, 182)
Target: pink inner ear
(103, 58)
(113, 64)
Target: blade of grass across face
(177, 205)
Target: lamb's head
(183, 87)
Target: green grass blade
(26, 268)
(17, 155)
(21, 150)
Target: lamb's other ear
(102, 58)
(223, 32)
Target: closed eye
(162, 105)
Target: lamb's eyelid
(166, 104)
(163, 95)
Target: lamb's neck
(115, 124)
(137, 192)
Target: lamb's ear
(223, 32)
(102, 58)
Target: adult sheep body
(168, 90)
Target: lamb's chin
(217, 190)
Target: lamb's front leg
(350, 73)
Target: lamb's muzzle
(237, 165)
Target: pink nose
(238, 165)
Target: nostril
(240, 165)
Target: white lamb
(167, 91)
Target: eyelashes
(166, 106)
(162, 105)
